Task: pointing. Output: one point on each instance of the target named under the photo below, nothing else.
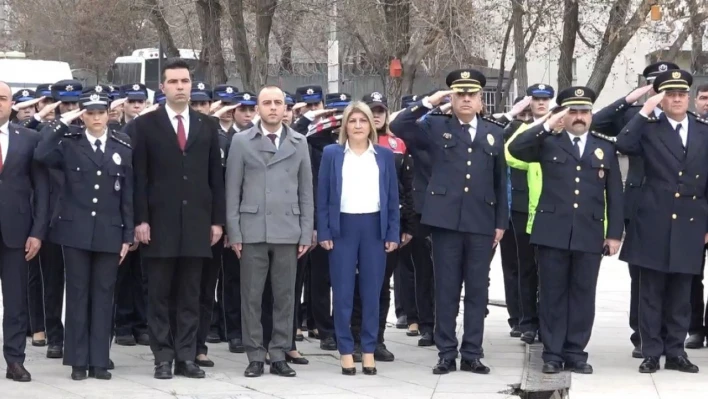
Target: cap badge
(111, 88)
(465, 75)
(343, 97)
(200, 86)
(663, 68)
(246, 96)
(415, 98)
(579, 92)
(69, 88)
(376, 96)
(599, 154)
(25, 93)
(490, 139)
(447, 136)
(676, 75)
(98, 89)
(94, 97)
(49, 87)
(542, 87)
(136, 87)
(230, 90)
(116, 158)
(310, 91)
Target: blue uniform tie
(576, 145)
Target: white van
(22, 73)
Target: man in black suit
(179, 214)
(23, 225)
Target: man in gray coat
(270, 218)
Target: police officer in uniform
(18, 115)
(611, 120)
(466, 207)
(582, 186)
(200, 97)
(668, 232)
(94, 224)
(136, 96)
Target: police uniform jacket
(577, 193)
(24, 190)
(671, 219)
(180, 194)
(404, 175)
(96, 211)
(610, 121)
(467, 191)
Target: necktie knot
(272, 138)
(678, 128)
(576, 140)
(97, 143)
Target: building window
(490, 98)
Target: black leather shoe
(356, 355)
(78, 373)
(426, 339)
(368, 370)
(125, 340)
(349, 371)
(402, 323)
(111, 365)
(143, 339)
(381, 354)
(236, 346)
(552, 367)
(254, 369)
(213, 337)
(475, 365)
(528, 337)
(579, 367)
(445, 366)
(282, 369)
(313, 334)
(99, 373)
(328, 344)
(649, 365)
(680, 363)
(301, 361)
(515, 332)
(694, 341)
(17, 372)
(204, 363)
(637, 352)
(55, 352)
(163, 371)
(39, 342)
(189, 369)
(299, 337)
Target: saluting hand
(652, 103)
(117, 103)
(150, 109)
(554, 121)
(27, 104)
(637, 93)
(68, 117)
(47, 110)
(438, 96)
(32, 246)
(124, 249)
(520, 106)
(613, 246)
(221, 111)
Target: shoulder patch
(604, 136)
(494, 121)
(115, 137)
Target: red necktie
(181, 135)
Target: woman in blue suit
(358, 221)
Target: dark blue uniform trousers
(567, 282)
(90, 283)
(664, 312)
(358, 247)
(131, 297)
(460, 257)
(207, 294)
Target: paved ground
(408, 377)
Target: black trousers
(404, 288)
(528, 274)
(267, 304)
(207, 294)
(320, 300)
(422, 258)
(51, 260)
(181, 276)
(13, 273)
(460, 257)
(567, 281)
(131, 297)
(90, 283)
(664, 312)
(510, 270)
(229, 295)
(35, 297)
(699, 310)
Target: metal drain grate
(533, 380)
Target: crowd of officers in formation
(542, 181)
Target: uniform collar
(172, 113)
(583, 137)
(103, 138)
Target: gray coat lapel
(287, 146)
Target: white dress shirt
(581, 143)
(277, 134)
(684, 128)
(4, 139)
(360, 182)
(472, 129)
(172, 114)
(92, 140)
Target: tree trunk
(239, 42)
(699, 60)
(617, 34)
(163, 29)
(567, 48)
(498, 97)
(517, 16)
(397, 34)
(212, 56)
(264, 22)
(672, 52)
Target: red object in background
(395, 69)
(393, 143)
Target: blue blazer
(329, 194)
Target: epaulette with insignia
(437, 112)
(494, 121)
(72, 134)
(652, 119)
(699, 118)
(116, 138)
(603, 136)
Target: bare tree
(157, 17)
(212, 54)
(571, 25)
